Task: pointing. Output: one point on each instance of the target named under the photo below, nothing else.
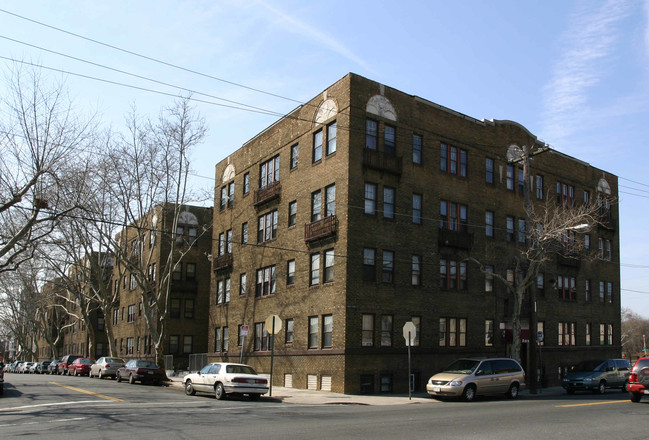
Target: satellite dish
(514, 153)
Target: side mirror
(479, 373)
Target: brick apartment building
(149, 248)
(356, 213)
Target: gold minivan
(467, 378)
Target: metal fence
(197, 361)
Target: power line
(150, 58)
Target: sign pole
(272, 357)
(409, 371)
(243, 342)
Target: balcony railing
(270, 192)
(222, 262)
(462, 240)
(320, 229)
(567, 258)
(382, 162)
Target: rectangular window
(244, 233)
(452, 275)
(586, 198)
(289, 332)
(388, 202)
(386, 330)
(269, 172)
(129, 345)
(390, 140)
(228, 241)
(565, 194)
(314, 272)
(540, 284)
(417, 321)
(417, 145)
(387, 270)
(226, 295)
(371, 134)
(453, 160)
(189, 309)
(246, 183)
(521, 181)
(587, 242)
(266, 281)
(290, 272)
(262, 337)
(589, 332)
(602, 334)
(330, 200)
(226, 338)
(489, 170)
(510, 228)
(267, 227)
(221, 244)
(188, 344)
(294, 153)
(609, 292)
(566, 331)
(489, 333)
(566, 288)
(489, 223)
(331, 138)
(327, 331)
(316, 206)
(292, 213)
(131, 313)
(539, 187)
(510, 177)
(370, 198)
(609, 334)
(313, 331)
(224, 198)
(243, 284)
(190, 271)
(174, 341)
(133, 281)
(521, 230)
(174, 308)
(601, 291)
(589, 293)
(328, 266)
(453, 216)
(369, 264)
(415, 273)
(452, 332)
(489, 279)
(416, 208)
(317, 146)
(220, 289)
(367, 338)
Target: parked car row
(143, 371)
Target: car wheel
(635, 397)
(601, 388)
(189, 388)
(131, 379)
(512, 393)
(100, 376)
(625, 387)
(219, 391)
(469, 393)
(119, 377)
(254, 396)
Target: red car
(66, 361)
(80, 367)
(639, 379)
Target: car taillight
(240, 380)
(262, 381)
(633, 377)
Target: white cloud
(588, 43)
(308, 31)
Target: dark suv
(597, 375)
(65, 363)
(639, 379)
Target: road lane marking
(592, 403)
(80, 390)
(48, 404)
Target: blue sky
(575, 73)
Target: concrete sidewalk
(311, 397)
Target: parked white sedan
(224, 378)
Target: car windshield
(146, 364)
(240, 369)
(594, 365)
(642, 363)
(85, 361)
(115, 360)
(462, 366)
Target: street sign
(273, 329)
(243, 331)
(409, 333)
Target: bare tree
(635, 332)
(40, 136)
(151, 168)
